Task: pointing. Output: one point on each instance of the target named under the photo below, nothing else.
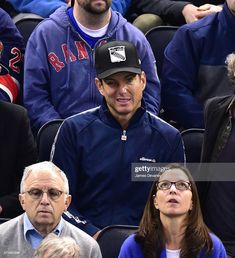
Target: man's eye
(35, 192)
(53, 192)
(130, 80)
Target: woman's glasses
(179, 185)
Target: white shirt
(172, 253)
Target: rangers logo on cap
(117, 54)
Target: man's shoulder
(201, 26)
(160, 125)
(83, 119)
(10, 226)
(58, 19)
(5, 19)
(83, 239)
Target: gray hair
(44, 166)
(230, 61)
(54, 246)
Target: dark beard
(90, 9)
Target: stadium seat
(159, 37)
(193, 139)
(111, 238)
(45, 138)
(26, 22)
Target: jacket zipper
(124, 136)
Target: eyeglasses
(179, 185)
(52, 193)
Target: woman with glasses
(172, 225)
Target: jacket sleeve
(178, 154)
(65, 156)
(39, 7)
(152, 92)
(37, 97)
(11, 59)
(169, 11)
(26, 155)
(179, 79)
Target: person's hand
(0, 209)
(190, 13)
(193, 13)
(96, 234)
(207, 9)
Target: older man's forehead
(44, 177)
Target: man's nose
(44, 198)
(123, 87)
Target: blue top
(97, 160)
(33, 236)
(131, 249)
(11, 59)
(59, 76)
(194, 68)
(46, 7)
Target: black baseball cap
(116, 56)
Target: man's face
(231, 5)
(123, 93)
(44, 212)
(95, 6)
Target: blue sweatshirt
(11, 59)
(97, 160)
(131, 249)
(194, 68)
(60, 72)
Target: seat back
(193, 139)
(45, 138)
(159, 37)
(112, 237)
(26, 23)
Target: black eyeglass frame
(176, 184)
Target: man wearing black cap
(59, 77)
(97, 147)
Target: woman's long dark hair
(196, 237)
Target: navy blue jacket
(11, 59)
(89, 149)
(194, 68)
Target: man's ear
(22, 201)
(99, 86)
(143, 79)
(68, 201)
